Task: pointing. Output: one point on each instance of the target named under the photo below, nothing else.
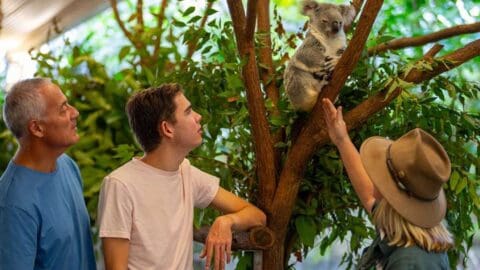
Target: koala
(310, 68)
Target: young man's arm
(239, 215)
(351, 158)
(115, 252)
(114, 223)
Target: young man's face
(187, 128)
(60, 118)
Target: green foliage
(7, 143)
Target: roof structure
(27, 24)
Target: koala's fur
(310, 68)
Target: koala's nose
(335, 27)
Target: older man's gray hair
(24, 103)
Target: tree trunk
(274, 258)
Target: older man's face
(60, 118)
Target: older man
(44, 223)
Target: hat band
(398, 176)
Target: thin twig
(122, 25)
(160, 18)
(140, 14)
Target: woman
(400, 184)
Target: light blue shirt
(44, 223)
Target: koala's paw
(329, 75)
(330, 63)
(320, 75)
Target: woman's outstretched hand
(336, 127)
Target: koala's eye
(324, 21)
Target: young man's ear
(166, 129)
(36, 128)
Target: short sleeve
(18, 238)
(114, 210)
(205, 187)
(73, 165)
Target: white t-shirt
(154, 210)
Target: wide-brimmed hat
(409, 173)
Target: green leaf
(195, 19)
(307, 230)
(188, 11)
(454, 180)
(462, 183)
(179, 23)
(123, 52)
(211, 11)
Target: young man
(146, 205)
(44, 223)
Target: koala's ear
(308, 7)
(348, 13)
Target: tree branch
(237, 13)
(129, 35)
(137, 43)
(140, 14)
(257, 238)
(265, 53)
(422, 40)
(251, 22)
(160, 18)
(357, 116)
(267, 74)
(264, 149)
(304, 146)
(357, 4)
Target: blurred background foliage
(100, 68)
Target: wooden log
(257, 238)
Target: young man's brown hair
(149, 107)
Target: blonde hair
(400, 232)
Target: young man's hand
(218, 244)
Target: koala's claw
(329, 75)
(320, 75)
(328, 67)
